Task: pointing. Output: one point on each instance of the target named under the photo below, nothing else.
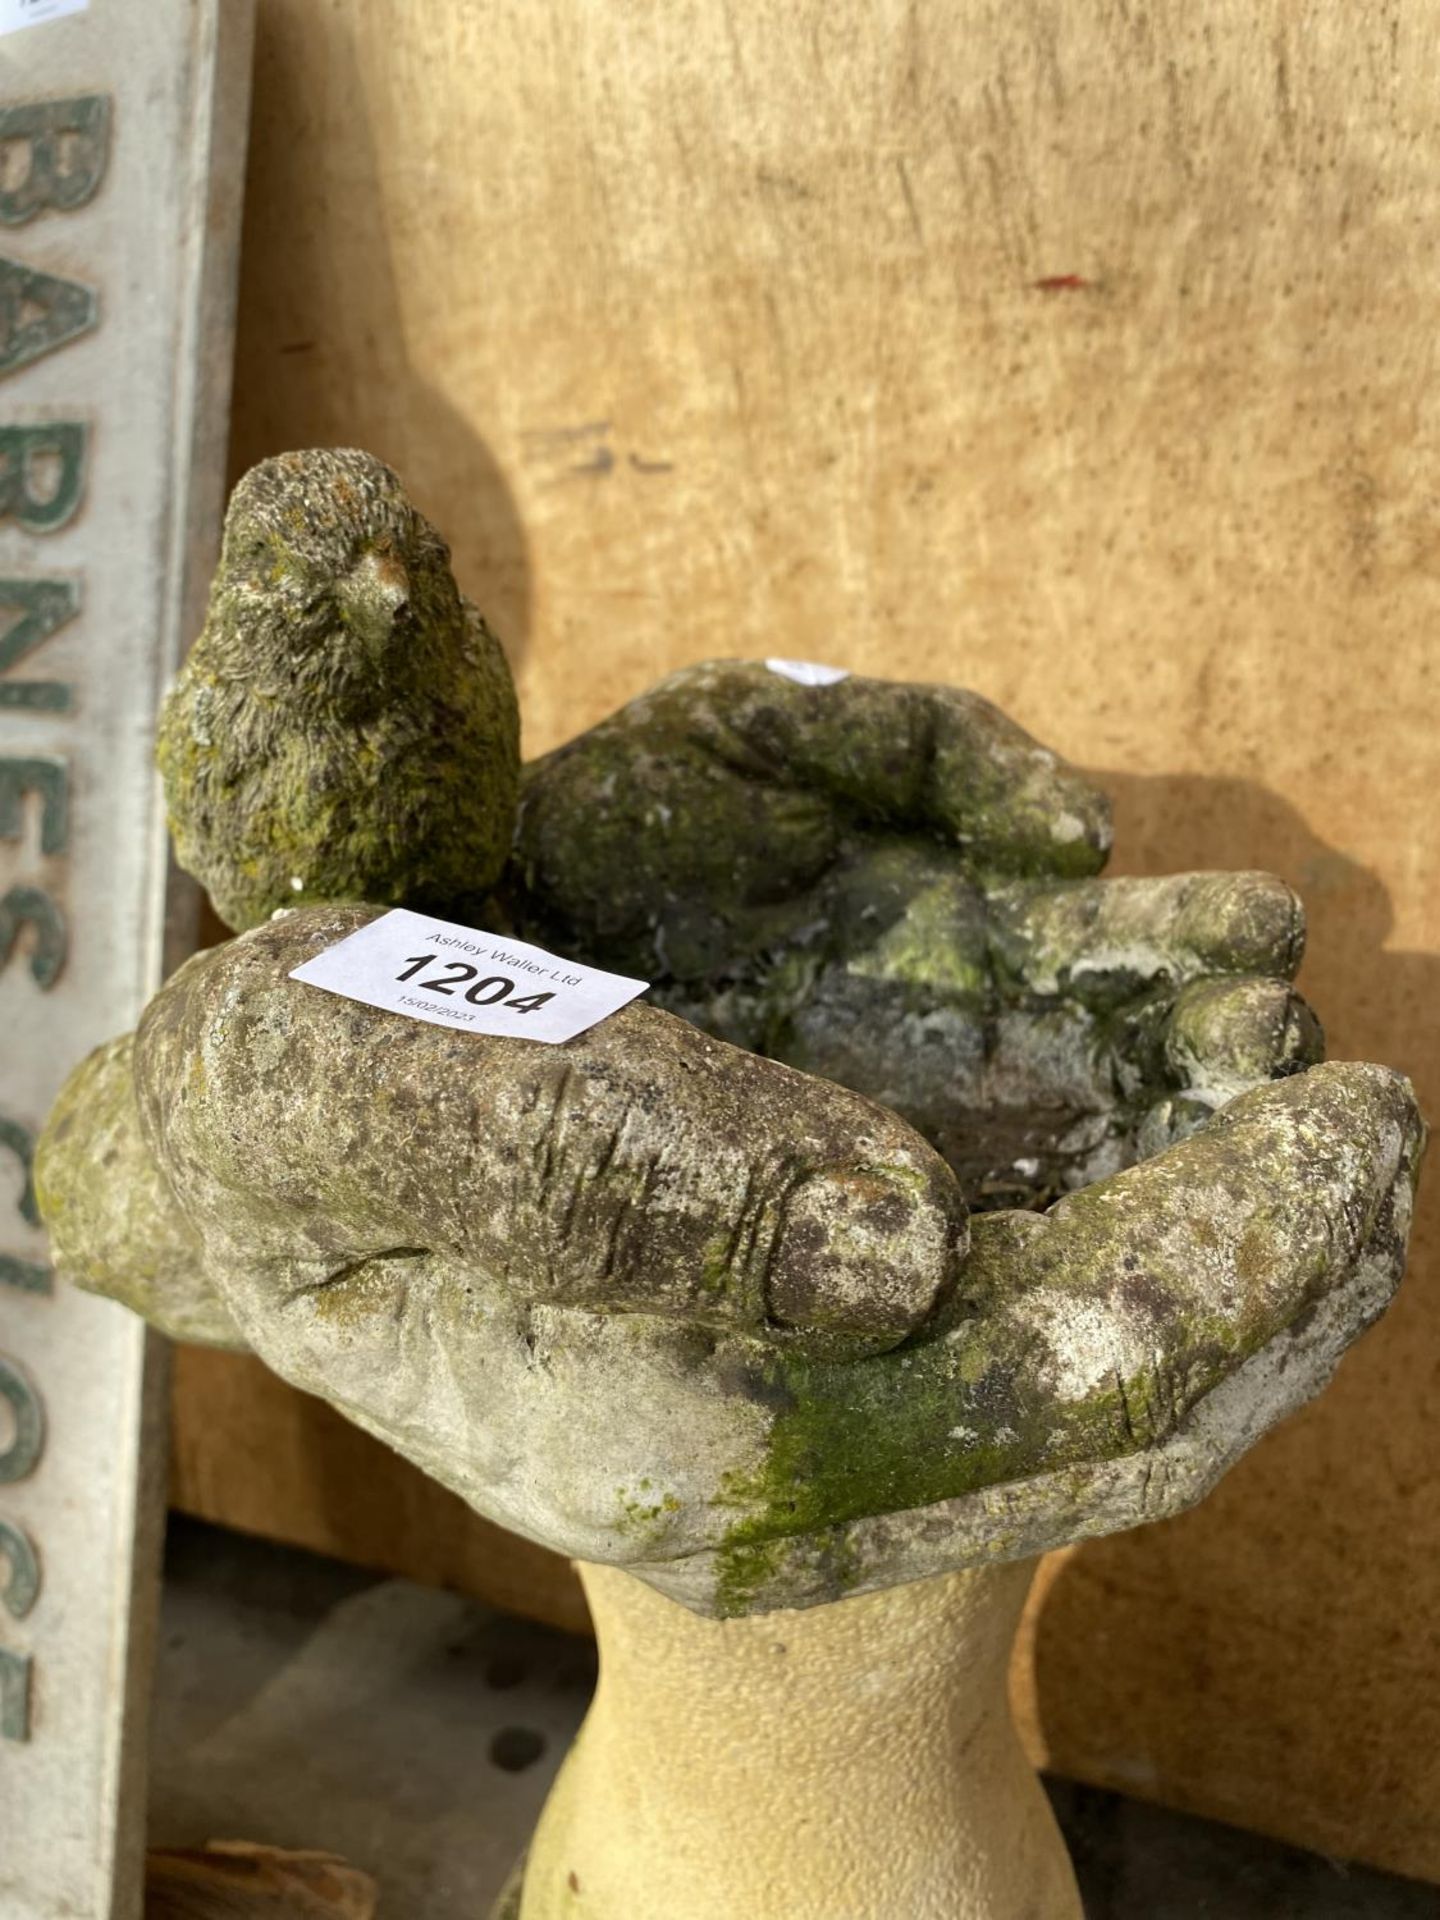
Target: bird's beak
(372, 596)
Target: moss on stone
(618, 1171)
(345, 726)
(115, 1225)
(692, 828)
(1092, 1332)
(644, 1290)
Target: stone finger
(642, 1167)
(115, 1226)
(1225, 1036)
(1103, 941)
(933, 759)
(685, 826)
(1111, 1357)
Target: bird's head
(331, 575)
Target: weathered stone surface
(1131, 1344)
(887, 886)
(102, 1188)
(703, 822)
(855, 1762)
(642, 1167)
(659, 1301)
(517, 1265)
(345, 726)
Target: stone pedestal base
(849, 1762)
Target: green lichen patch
(1091, 1333)
(692, 826)
(115, 1225)
(620, 1171)
(345, 727)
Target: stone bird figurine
(345, 727)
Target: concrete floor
(306, 1704)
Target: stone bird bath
(946, 1204)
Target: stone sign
(121, 161)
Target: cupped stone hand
(976, 1205)
(972, 1205)
(660, 1302)
(738, 795)
(892, 887)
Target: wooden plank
(1081, 355)
(121, 136)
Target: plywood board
(1081, 355)
(121, 141)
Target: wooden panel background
(1084, 356)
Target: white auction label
(462, 977)
(15, 14)
(808, 673)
